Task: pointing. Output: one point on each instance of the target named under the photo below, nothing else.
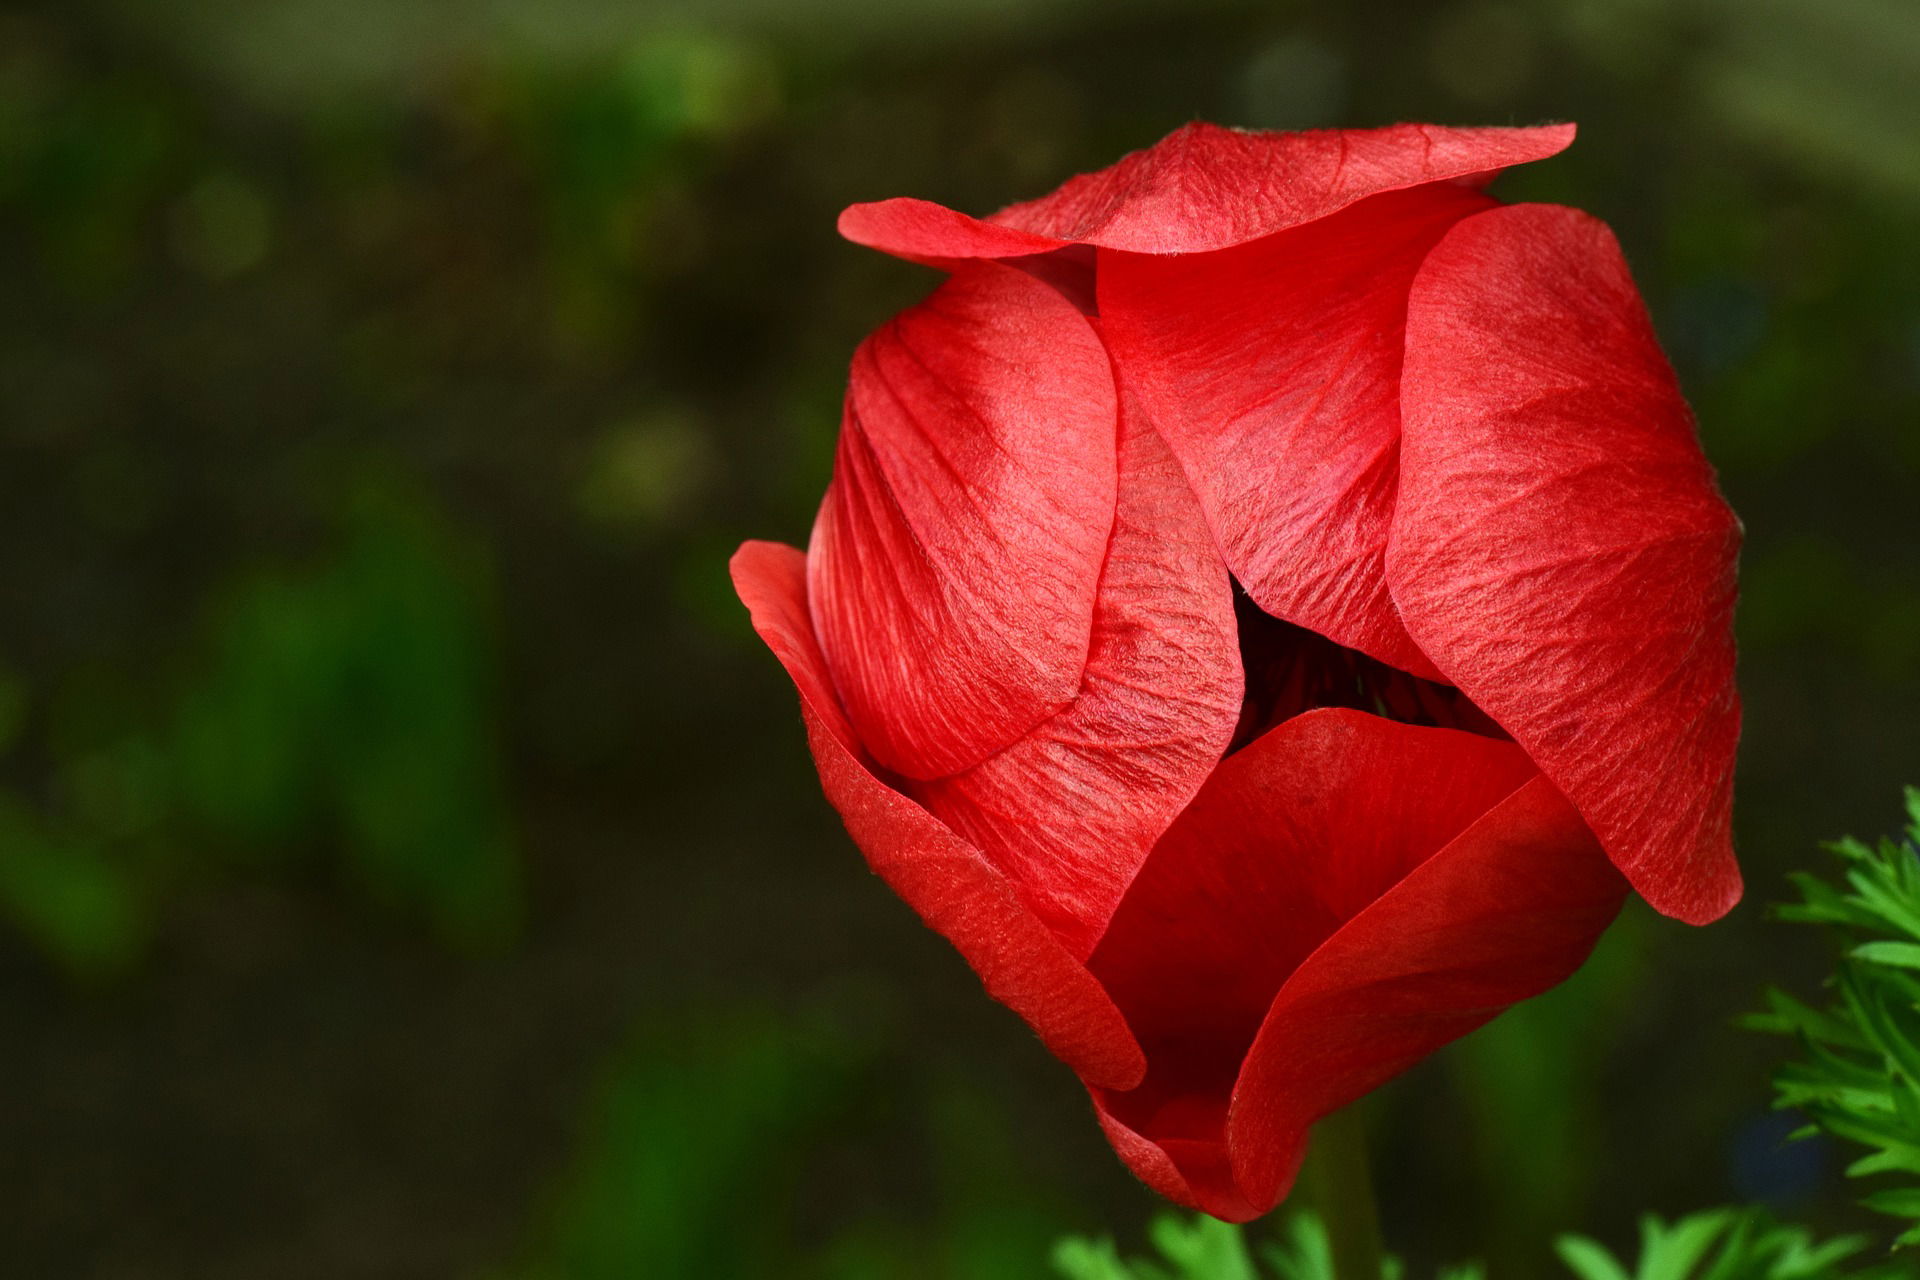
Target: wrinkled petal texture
(952, 887)
(1204, 188)
(1071, 810)
(1345, 895)
(1559, 548)
(1273, 370)
(955, 560)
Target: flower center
(1290, 669)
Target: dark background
(410, 864)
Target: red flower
(1241, 853)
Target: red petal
(1560, 550)
(1192, 1173)
(955, 560)
(1203, 188)
(1511, 907)
(922, 231)
(939, 875)
(1070, 811)
(1290, 839)
(1273, 370)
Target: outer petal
(955, 560)
(922, 231)
(1203, 188)
(955, 890)
(1071, 810)
(1273, 370)
(1560, 550)
(1305, 834)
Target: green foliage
(1305, 1252)
(609, 140)
(690, 1124)
(345, 705)
(700, 1151)
(1719, 1244)
(1529, 1081)
(356, 698)
(994, 1219)
(83, 168)
(1204, 1248)
(1859, 1076)
(67, 895)
(1201, 1249)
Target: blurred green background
(410, 864)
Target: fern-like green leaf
(1719, 1244)
(1858, 1075)
(1722, 1244)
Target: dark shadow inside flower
(1290, 669)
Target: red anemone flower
(1270, 605)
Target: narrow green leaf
(1904, 955)
(1588, 1260)
(1900, 1201)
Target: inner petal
(1290, 839)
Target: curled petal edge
(1202, 188)
(943, 878)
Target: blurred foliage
(361, 694)
(1719, 1244)
(67, 895)
(349, 696)
(689, 1125)
(702, 1115)
(1859, 1079)
(1530, 1081)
